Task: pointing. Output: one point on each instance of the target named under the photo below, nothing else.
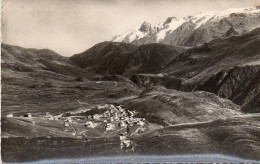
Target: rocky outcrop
(115, 78)
(145, 27)
(150, 80)
(231, 32)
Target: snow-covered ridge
(137, 33)
(172, 23)
(213, 15)
(169, 27)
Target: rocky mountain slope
(240, 84)
(187, 69)
(227, 67)
(199, 63)
(126, 59)
(195, 30)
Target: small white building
(96, 117)
(29, 115)
(91, 124)
(110, 126)
(101, 106)
(10, 115)
(123, 124)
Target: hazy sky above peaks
(72, 26)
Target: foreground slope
(238, 136)
(167, 107)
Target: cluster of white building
(114, 116)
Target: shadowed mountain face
(126, 59)
(105, 57)
(214, 63)
(199, 63)
(151, 58)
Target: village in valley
(115, 120)
(112, 120)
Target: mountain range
(194, 30)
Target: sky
(72, 26)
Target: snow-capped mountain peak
(146, 33)
(137, 33)
(145, 27)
